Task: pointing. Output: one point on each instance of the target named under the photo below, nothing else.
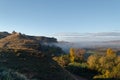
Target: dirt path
(79, 78)
(75, 76)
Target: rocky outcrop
(4, 34)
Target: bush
(81, 69)
(7, 74)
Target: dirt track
(79, 78)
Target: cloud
(88, 34)
(69, 34)
(107, 34)
(101, 36)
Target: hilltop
(22, 41)
(17, 41)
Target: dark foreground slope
(33, 67)
(25, 55)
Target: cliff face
(43, 39)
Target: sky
(58, 18)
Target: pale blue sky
(50, 17)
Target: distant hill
(113, 41)
(43, 39)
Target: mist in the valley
(88, 40)
(90, 45)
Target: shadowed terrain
(27, 56)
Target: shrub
(7, 74)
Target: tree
(110, 52)
(108, 65)
(102, 64)
(116, 71)
(79, 54)
(63, 60)
(72, 54)
(93, 61)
